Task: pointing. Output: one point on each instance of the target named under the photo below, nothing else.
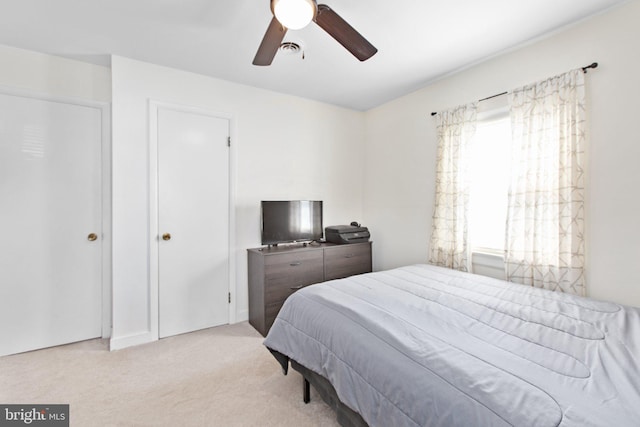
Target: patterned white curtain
(545, 220)
(449, 245)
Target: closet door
(50, 223)
(193, 221)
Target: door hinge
(228, 141)
(229, 297)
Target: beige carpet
(216, 377)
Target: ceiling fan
(296, 14)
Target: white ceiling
(418, 41)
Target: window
(489, 174)
(515, 192)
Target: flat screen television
(291, 221)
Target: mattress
(428, 346)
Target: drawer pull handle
(295, 288)
(349, 256)
(294, 264)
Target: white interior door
(193, 221)
(50, 202)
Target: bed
(428, 346)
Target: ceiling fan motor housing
(325, 18)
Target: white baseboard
(118, 343)
(242, 316)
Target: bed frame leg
(306, 391)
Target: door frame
(153, 238)
(105, 178)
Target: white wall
(401, 148)
(53, 76)
(284, 148)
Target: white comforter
(428, 346)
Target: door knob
(166, 236)
(91, 237)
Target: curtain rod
(584, 70)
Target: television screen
(291, 221)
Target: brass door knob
(166, 236)
(91, 237)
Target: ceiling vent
(290, 48)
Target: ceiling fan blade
(344, 33)
(270, 43)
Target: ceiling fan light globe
(294, 14)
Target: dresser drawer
(347, 260)
(277, 272)
(288, 272)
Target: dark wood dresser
(277, 272)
